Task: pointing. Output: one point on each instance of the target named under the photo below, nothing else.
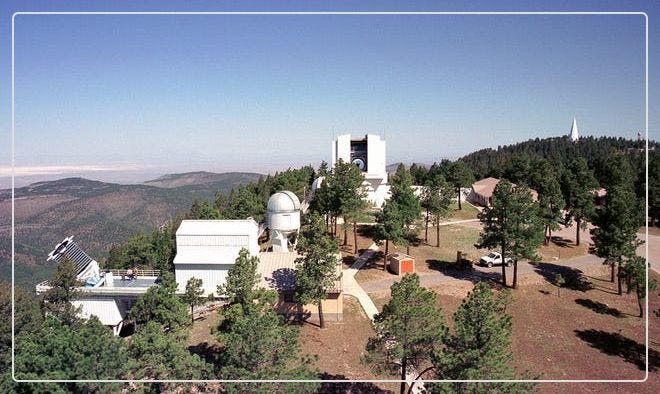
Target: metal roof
(218, 227)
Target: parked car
(494, 258)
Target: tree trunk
(192, 315)
(503, 268)
(577, 232)
(515, 273)
(327, 224)
(387, 247)
(355, 237)
(334, 232)
(460, 207)
(549, 235)
(321, 322)
(426, 232)
(618, 278)
(345, 225)
(611, 271)
(437, 232)
(639, 302)
(403, 375)
(408, 249)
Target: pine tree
(244, 202)
(193, 295)
(406, 202)
(543, 179)
(511, 224)
(84, 349)
(345, 184)
(58, 300)
(459, 175)
(617, 222)
(478, 348)
(316, 269)
(389, 227)
(635, 269)
(160, 304)
(258, 344)
(163, 355)
(242, 279)
(578, 184)
(408, 330)
(436, 199)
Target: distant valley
(96, 213)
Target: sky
(128, 97)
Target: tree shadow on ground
(464, 272)
(573, 277)
(560, 241)
(366, 231)
(209, 353)
(347, 387)
(599, 307)
(616, 344)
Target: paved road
(583, 263)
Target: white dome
(284, 201)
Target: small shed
(401, 264)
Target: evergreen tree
(635, 269)
(244, 202)
(57, 301)
(578, 184)
(203, 210)
(408, 330)
(511, 224)
(406, 202)
(84, 349)
(242, 279)
(436, 199)
(27, 320)
(459, 175)
(478, 348)
(316, 270)
(543, 178)
(258, 344)
(163, 355)
(345, 184)
(193, 295)
(617, 222)
(389, 227)
(160, 304)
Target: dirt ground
(339, 347)
(588, 332)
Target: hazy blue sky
(224, 92)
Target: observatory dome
(284, 201)
(283, 214)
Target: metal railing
(135, 272)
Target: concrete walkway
(353, 288)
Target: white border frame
(646, 126)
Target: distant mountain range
(97, 214)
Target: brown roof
(278, 271)
(485, 187)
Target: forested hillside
(559, 152)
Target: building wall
(333, 308)
(211, 275)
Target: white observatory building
(368, 153)
(283, 220)
(207, 249)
